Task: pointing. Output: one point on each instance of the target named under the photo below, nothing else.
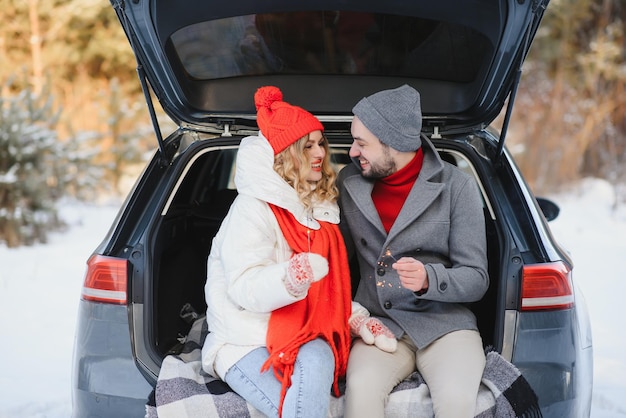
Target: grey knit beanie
(394, 116)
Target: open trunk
(183, 233)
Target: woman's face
(315, 152)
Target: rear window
(330, 42)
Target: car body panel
(105, 356)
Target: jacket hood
(255, 177)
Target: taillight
(105, 280)
(547, 286)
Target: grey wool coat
(441, 224)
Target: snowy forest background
(73, 120)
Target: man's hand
(412, 274)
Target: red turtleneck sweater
(389, 193)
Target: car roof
(204, 60)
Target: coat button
(363, 242)
(380, 271)
(443, 286)
(388, 305)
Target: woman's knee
(317, 357)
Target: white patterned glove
(304, 269)
(371, 330)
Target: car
(203, 61)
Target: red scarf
(323, 313)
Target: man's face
(374, 157)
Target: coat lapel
(423, 193)
(421, 197)
(360, 189)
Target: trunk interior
(183, 241)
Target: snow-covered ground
(40, 287)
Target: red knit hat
(281, 123)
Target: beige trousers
(452, 366)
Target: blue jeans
(311, 382)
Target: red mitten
(304, 269)
(371, 330)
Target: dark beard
(379, 171)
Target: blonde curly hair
(292, 164)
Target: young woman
(278, 285)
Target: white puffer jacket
(249, 258)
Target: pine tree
(36, 169)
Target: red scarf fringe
(323, 313)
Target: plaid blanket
(183, 390)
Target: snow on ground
(40, 287)
(39, 292)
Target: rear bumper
(556, 357)
(105, 378)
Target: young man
(416, 224)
